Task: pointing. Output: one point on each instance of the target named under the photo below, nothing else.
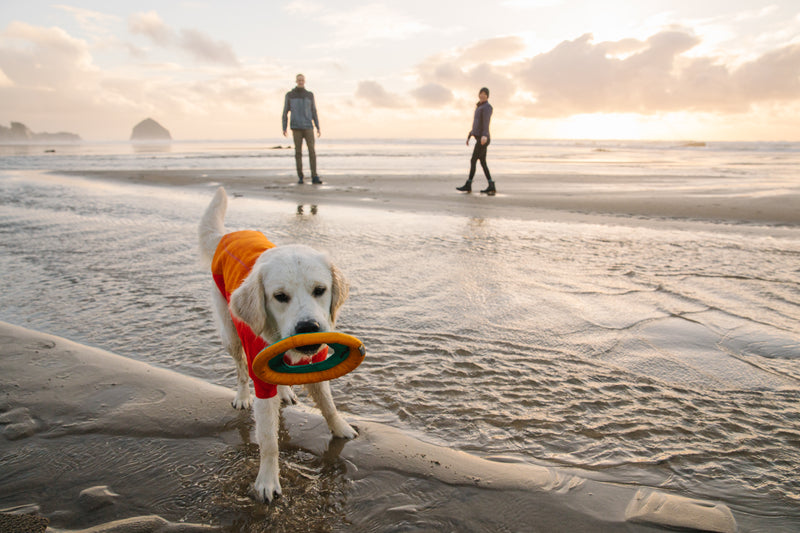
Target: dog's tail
(212, 226)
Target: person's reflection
(301, 210)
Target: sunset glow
(710, 70)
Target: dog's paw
(242, 401)
(343, 430)
(287, 395)
(267, 487)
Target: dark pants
(308, 135)
(479, 154)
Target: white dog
(264, 293)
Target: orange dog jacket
(233, 260)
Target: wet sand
(91, 438)
(551, 197)
(95, 440)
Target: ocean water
(666, 356)
(776, 161)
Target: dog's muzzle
(308, 326)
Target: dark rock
(150, 130)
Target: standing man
(300, 103)
(480, 130)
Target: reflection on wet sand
(152, 147)
(301, 209)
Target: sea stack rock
(150, 130)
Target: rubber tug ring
(348, 353)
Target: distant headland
(20, 133)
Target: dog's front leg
(233, 345)
(243, 398)
(267, 416)
(321, 394)
(287, 395)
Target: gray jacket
(300, 103)
(480, 122)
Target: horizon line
(416, 140)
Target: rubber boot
(490, 190)
(467, 187)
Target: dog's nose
(306, 326)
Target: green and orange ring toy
(348, 353)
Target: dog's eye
(319, 291)
(282, 297)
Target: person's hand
(468, 140)
(484, 139)
(319, 133)
(284, 133)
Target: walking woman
(480, 130)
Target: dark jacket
(480, 124)
(304, 111)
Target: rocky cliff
(20, 133)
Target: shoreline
(590, 198)
(89, 422)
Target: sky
(706, 70)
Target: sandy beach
(550, 197)
(608, 297)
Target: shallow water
(668, 357)
(726, 163)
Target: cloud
(151, 25)
(204, 48)
(773, 76)
(93, 22)
(492, 50)
(48, 79)
(463, 79)
(651, 76)
(465, 70)
(451, 63)
(36, 57)
(433, 95)
(50, 76)
(52, 80)
(375, 95)
(660, 74)
(196, 43)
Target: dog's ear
(249, 304)
(339, 291)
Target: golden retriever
(264, 293)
